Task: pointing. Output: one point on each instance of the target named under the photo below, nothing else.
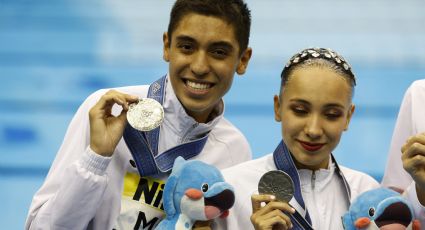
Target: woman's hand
(106, 130)
(270, 214)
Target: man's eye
(220, 52)
(185, 47)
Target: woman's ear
(349, 115)
(276, 102)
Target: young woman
(314, 108)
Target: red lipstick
(312, 147)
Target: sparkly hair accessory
(321, 53)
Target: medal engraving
(145, 115)
(277, 183)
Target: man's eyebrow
(224, 44)
(185, 38)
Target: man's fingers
(112, 97)
(130, 99)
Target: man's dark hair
(234, 12)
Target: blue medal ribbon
(283, 161)
(144, 145)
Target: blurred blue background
(53, 54)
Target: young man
(94, 181)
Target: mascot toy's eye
(204, 187)
(371, 211)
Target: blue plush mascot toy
(380, 208)
(194, 191)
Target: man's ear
(349, 116)
(276, 102)
(166, 48)
(243, 61)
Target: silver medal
(145, 115)
(277, 183)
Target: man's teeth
(198, 86)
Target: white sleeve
(75, 184)
(244, 181)
(395, 175)
(418, 208)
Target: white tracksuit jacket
(323, 194)
(410, 121)
(84, 190)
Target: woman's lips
(311, 146)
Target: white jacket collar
(321, 179)
(180, 122)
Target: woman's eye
(299, 110)
(333, 114)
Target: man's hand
(271, 215)
(413, 158)
(106, 130)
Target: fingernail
(263, 204)
(293, 210)
(272, 197)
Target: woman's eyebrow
(300, 101)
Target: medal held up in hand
(280, 184)
(277, 183)
(145, 115)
